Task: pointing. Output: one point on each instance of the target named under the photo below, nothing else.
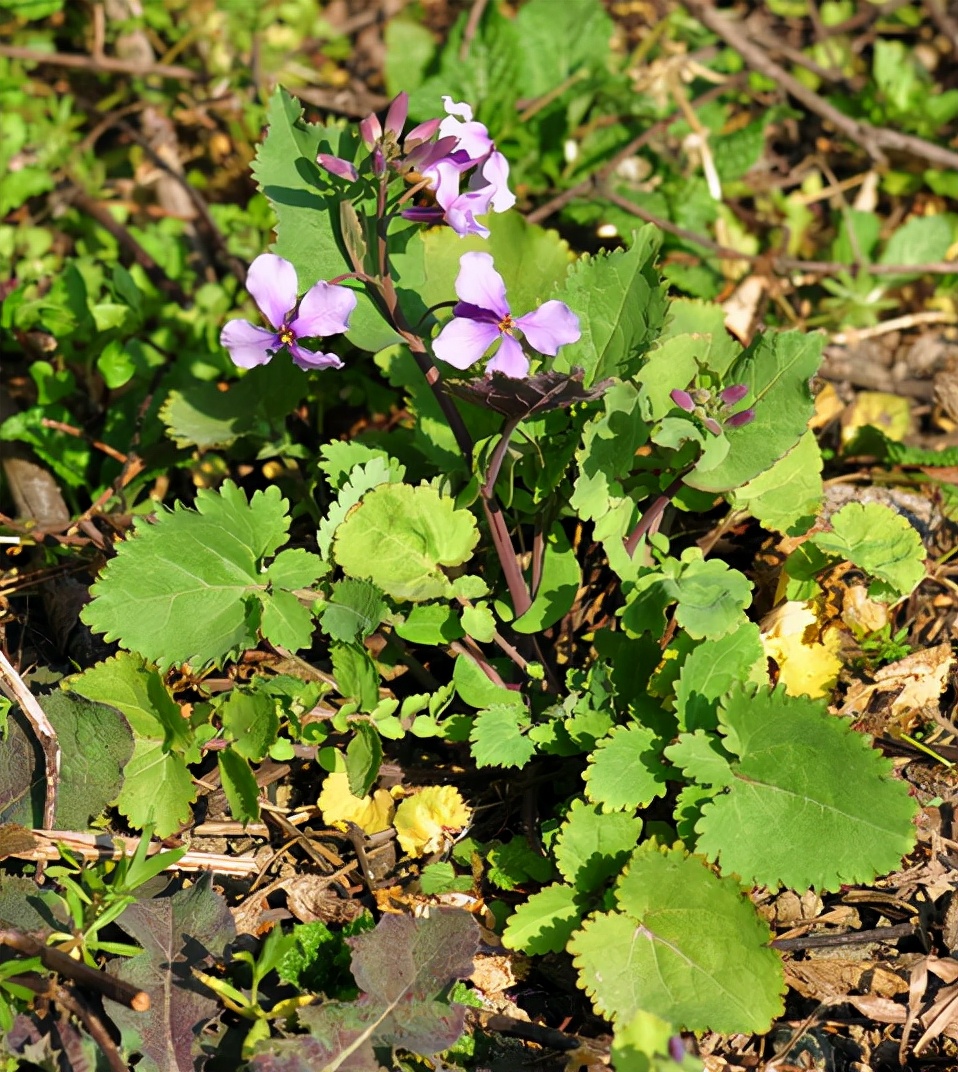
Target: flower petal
(422, 132)
(463, 222)
(462, 342)
(307, 360)
(249, 345)
(397, 114)
(478, 283)
(460, 109)
(324, 310)
(370, 130)
(509, 360)
(337, 166)
(272, 282)
(550, 326)
(495, 172)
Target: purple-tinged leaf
(523, 398)
(402, 968)
(177, 933)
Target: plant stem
(653, 514)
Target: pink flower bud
(731, 396)
(396, 116)
(371, 130)
(335, 166)
(739, 419)
(683, 400)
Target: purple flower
(683, 400)
(470, 148)
(482, 317)
(324, 310)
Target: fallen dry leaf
(370, 813)
(806, 654)
(425, 821)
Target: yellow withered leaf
(370, 813)
(424, 822)
(807, 655)
(890, 413)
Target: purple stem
(653, 514)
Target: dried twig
(13, 687)
(101, 64)
(874, 140)
(94, 847)
(56, 961)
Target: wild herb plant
(563, 422)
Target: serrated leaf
(187, 587)
(255, 406)
(710, 671)
(879, 541)
(178, 933)
(626, 770)
(546, 921)
(239, 785)
(157, 789)
(403, 968)
(400, 537)
(777, 370)
(95, 746)
(125, 682)
(285, 621)
(684, 945)
(362, 478)
(593, 845)
(811, 802)
(702, 758)
(353, 611)
(295, 568)
(788, 496)
(515, 863)
(250, 720)
(620, 302)
(497, 738)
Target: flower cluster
(715, 411)
(463, 150)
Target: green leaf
(138, 691)
(625, 771)
(607, 453)
(710, 596)
(561, 41)
(811, 802)
(249, 719)
(787, 497)
(684, 945)
(558, 585)
(239, 785)
(285, 622)
(295, 568)
(479, 622)
(188, 587)
(516, 863)
(400, 537)
(430, 623)
(920, 240)
(593, 845)
(255, 406)
(95, 746)
(545, 922)
(353, 611)
(621, 304)
(712, 669)
(356, 675)
(477, 690)
(302, 196)
(362, 478)
(879, 541)
(157, 789)
(364, 756)
(498, 740)
(777, 370)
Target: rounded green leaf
(401, 537)
(543, 924)
(625, 771)
(685, 945)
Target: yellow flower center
(505, 324)
(286, 337)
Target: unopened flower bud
(739, 419)
(731, 396)
(682, 399)
(712, 425)
(700, 396)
